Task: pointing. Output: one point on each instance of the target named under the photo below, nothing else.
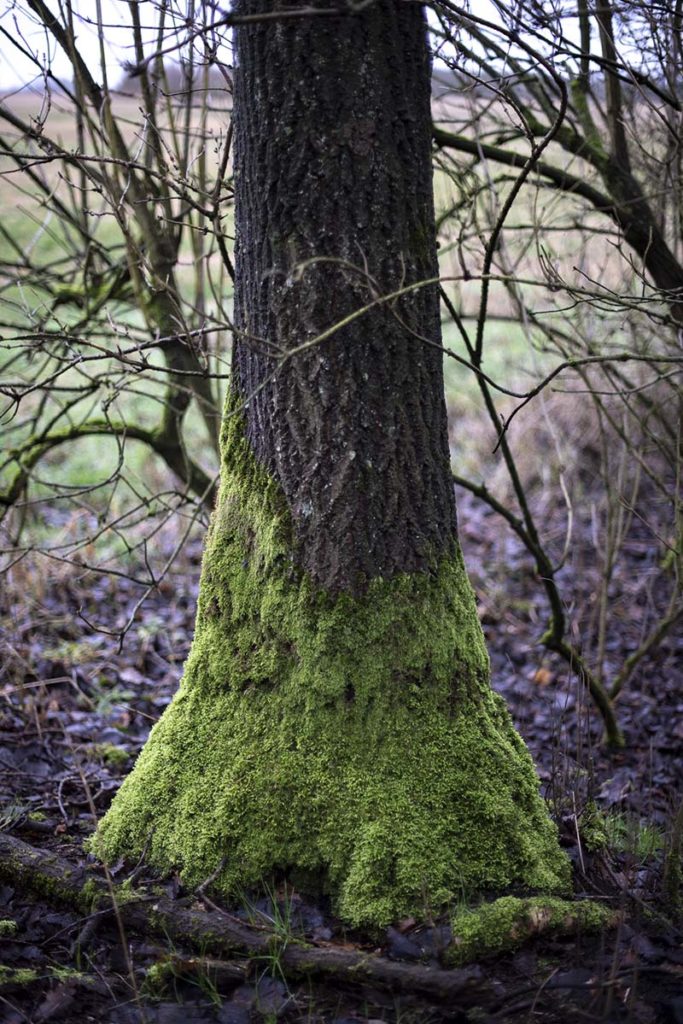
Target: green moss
(7, 927)
(352, 738)
(26, 871)
(21, 976)
(91, 895)
(110, 754)
(158, 977)
(593, 828)
(504, 924)
(67, 974)
(127, 892)
(17, 976)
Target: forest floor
(76, 710)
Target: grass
(628, 834)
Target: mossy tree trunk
(335, 720)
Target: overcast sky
(17, 21)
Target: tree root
(54, 878)
(488, 929)
(508, 922)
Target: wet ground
(76, 708)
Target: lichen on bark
(354, 740)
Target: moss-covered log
(510, 921)
(335, 721)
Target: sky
(17, 21)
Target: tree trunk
(332, 146)
(336, 721)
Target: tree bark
(335, 722)
(332, 146)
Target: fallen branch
(54, 878)
(482, 931)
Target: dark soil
(77, 708)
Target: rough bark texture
(332, 150)
(335, 721)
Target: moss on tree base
(354, 739)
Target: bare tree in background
(117, 298)
(567, 139)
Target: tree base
(490, 928)
(400, 812)
(356, 739)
